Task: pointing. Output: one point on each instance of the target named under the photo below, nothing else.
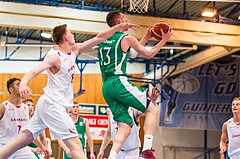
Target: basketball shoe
(147, 154)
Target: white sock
(148, 139)
(113, 155)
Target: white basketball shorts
(49, 114)
(129, 154)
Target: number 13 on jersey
(105, 52)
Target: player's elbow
(146, 54)
(149, 56)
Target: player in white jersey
(14, 115)
(230, 132)
(130, 148)
(58, 94)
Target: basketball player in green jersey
(82, 126)
(119, 92)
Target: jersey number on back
(107, 50)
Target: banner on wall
(98, 125)
(87, 109)
(97, 116)
(201, 97)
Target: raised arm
(130, 41)
(224, 137)
(146, 37)
(79, 47)
(106, 140)
(90, 141)
(50, 61)
(143, 41)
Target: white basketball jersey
(59, 86)
(234, 139)
(13, 121)
(133, 140)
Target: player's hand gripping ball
(156, 30)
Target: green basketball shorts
(120, 94)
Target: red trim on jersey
(59, 54)
(72, 131)
(69, 53)
(18, 106)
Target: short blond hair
(236, 98)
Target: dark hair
(112, 17)
(10, 82)
(75, 102)
(28, 100)
(58, 32)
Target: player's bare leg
(122, 133)
(75, 146)
(21, 141)
(150, 125)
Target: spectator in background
(82, 126)
(230, 132)
(130, 148)
(14, 116)
(30, 103)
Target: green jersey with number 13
(112, 60)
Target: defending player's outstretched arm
(80, 47)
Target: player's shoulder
(24, 105)
(2, 109)
(226, 123)
(229, 121)
(53, 51)
(53, 54)
(129, 38)
(4, 103)
(81, 119)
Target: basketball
(156, 30)
(185, 83)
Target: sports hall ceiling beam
(200, 58)
(92, 22)
(234, 1)
(44, 23)
(96, 16)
